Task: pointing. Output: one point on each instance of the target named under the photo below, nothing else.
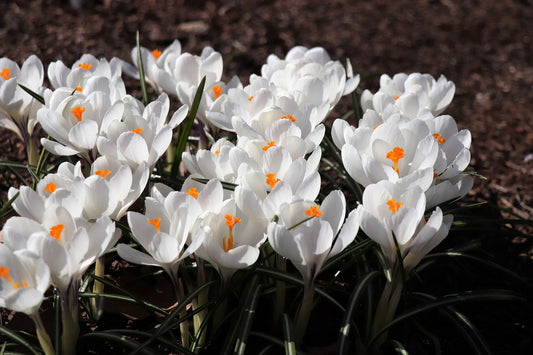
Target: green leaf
(185, 130)
(225, 185)
(140, 66)
(289, 342)
(11, 334)
(122, 340)
(248, 316)
(35, 95)
(344, 330)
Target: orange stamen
(4, 273)
(251, 98)
(396, 98)
(394, 206)
(269, 145)
(395, 155)
(156, 53)
(50, 188)
(217, 152)
(271, 180)
(192, 191)
(155, 222)
(56, 231)
(231, 221)
(289, 117)
(78, 112)
(78, 89)
(313, 212)
(85, 66)
(103, 173)
(136, 130)
(440, 139)
(217, 90)
(5, 73)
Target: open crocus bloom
(24, 278)
(17, 107)
(308, 234)
(163, 231)
(390, 211)
(233, 238)
(67, 245)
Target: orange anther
(5, 73)
(394, 206)
(156, 223)
(271, 180)
(156, 53)
(251, 98)
(103, 173)
(217, 90)
(395, 155)
(85, 66)
(313, 212)
(56, 231)
(50, 188)
(136, 130)
(4, 273)
(231, 221)
(78, 112)
(440, 139)
(192, 191)
(269, 145)
(289, 117)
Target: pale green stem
(32, 151)
(97, 303)
(69, 318)
(201, 300)
(42, 335)
(302, 320)
(386, 308)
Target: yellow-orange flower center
(251, 98)
(231, 221)
(50, 188)
(5, 73)
(217, 152)
(78, 89)
(394, 206)
(103, 173)
(313, 212)
(395, 155)
(78, 112)
(156, 223)
(271, 180)
(396, 98)
(289, 117)
(136, 130)
(440, 139)
(269, 145)
(56, 231)
(85, 66)
(156, 53)
(217, 90)
(192, 191)
(4, 273)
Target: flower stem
(302, 319)
(180, 295)
(69, 318)
(199, 318)
(97, 303)
(386, 309)
(281, 290)
(42, 335)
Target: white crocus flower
(309, 76)
(87, 69)
(410, 94)
(213, 162)
(154, 66)
(24, 278)
(74, 122)
(163, 231)
(68, 245)
(233, 238)
(308, 234)
(391, 152)
(18, 108)
(138, 135)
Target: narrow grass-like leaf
(138, 333)
(115, 338)
(6, 208)
(434, 338)
(484, 295)
(10, 334)
(482, 261)
(140, 66)
(289, 342)
(399, 348)
(248, 317)
(293, 280)
(273, 340)
(225, 185)
(185, 128)
(352, 303)
(33, 94)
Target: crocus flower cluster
(406, 155)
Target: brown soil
(485, 47)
